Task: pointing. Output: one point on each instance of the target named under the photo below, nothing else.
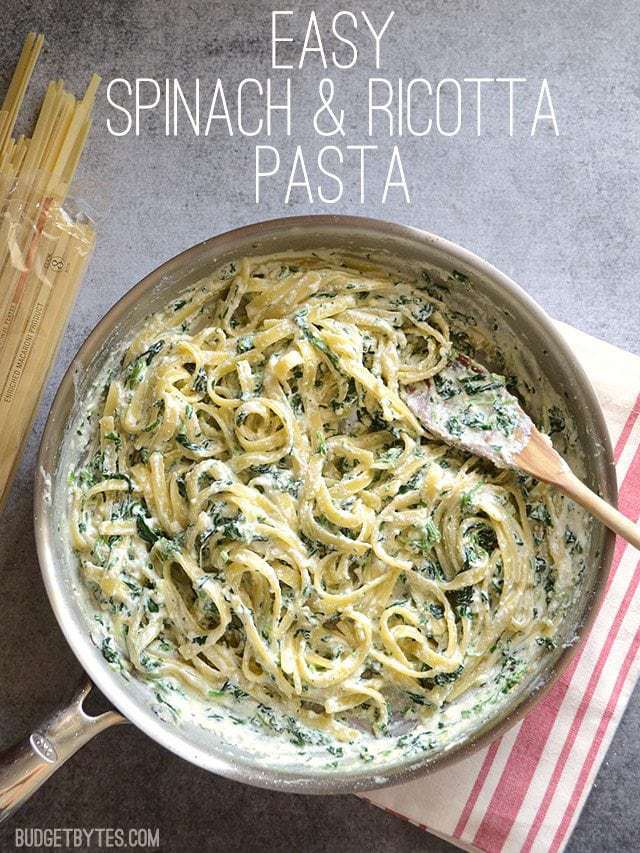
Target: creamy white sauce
(469, 407)
(239, 721)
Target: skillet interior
(491, 295)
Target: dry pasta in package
(46, 240)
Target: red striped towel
(526, 790)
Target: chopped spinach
(200, 381)
(445, 386)
(430, 537)
(454, 426)
(245, 343)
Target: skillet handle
(30, 762)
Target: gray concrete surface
(559, 215)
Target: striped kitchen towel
(526, 790)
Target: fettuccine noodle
(263, 510)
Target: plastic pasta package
(46, 240)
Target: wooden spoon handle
(542, 460)
(598, 507)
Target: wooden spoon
(467, 406)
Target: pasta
(43, 248)
(261, 511)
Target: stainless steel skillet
(496, 301)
